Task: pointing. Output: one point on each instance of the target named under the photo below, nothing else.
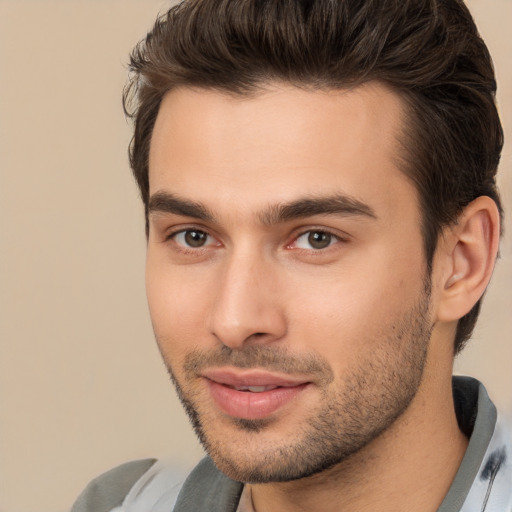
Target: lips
(252, 394)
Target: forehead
(249, 152)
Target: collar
(483, 482)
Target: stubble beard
(369, 402)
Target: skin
(358, 320)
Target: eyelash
(333, 238)
(182, 247)
(187, 249)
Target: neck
(421, 451)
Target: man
(322, 221)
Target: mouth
(252, 394)
(253, 389)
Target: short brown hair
(428, 51)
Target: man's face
(285, 273)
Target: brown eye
(195, 238)
(315, 239)
(319, 239)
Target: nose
(247, 308)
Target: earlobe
(471, 248)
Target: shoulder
(160, 486)
(208, 489)
(108, 490)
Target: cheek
(349, 314)
(177, 304)
(337, 322)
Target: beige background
(81, 384)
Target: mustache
(258, 356)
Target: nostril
(258, 337)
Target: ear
(468, 253)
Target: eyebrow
(164, 202)
(338, 204)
